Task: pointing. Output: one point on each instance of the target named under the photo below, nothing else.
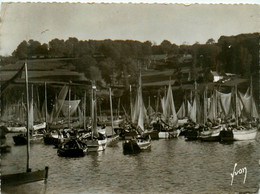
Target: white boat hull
(182, 121)
(23, 128)
(169, 135)
(243, 135)
(96, 145)
(144, 145)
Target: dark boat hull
(136, 146)
(153, 134)
(24, 178)
(226, 136)
(70, 152)
(20, 140)
(191, 135)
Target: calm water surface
(172, 166)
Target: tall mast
(251, 99)
(236, 111)
(111, 111)
(46, 105)
(118, 109)
(84, 110)
(28, 117)
(131, 105)
(69, 108)
(95, 110)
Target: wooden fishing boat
(54, 137)
(98, 140)
(21, 139)
(143, 141)
(97, 144)
(136, 145)
(72, 148)
(244, 134)
(213, 134)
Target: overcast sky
(176, 23)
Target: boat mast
(236, 111)
(69, 108)
(28, 117)
(95, 110)
(205, 104)
(251, 99)
(111, 111)
(118, 109)
(45, 96)
(84, 110)
(131, 105)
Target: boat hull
(169, 134)
(24, 178)
(243, 135)
(211, 135)
(23, 129)
(153, 134)
(96, 145)
(112, 141)
(135, 146)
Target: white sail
(224, 102)
(58, 104)
(139, 110)
(170, 113)
(181, 113)
(68, 106)
(189, 108)
(193, 112)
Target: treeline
(115, 60)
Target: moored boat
(212, 134)
(136, 145)
(72, 148)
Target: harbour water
(172, 166)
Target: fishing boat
(54, 137)
(142, 142)
(114, 138)
(97, 141)
(212, 134)
(11, 180)
(169, 119)
(136, 145)
(35, 135)
(72, 148)
(244, 104)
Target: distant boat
(246, 131)
(97, 141)
(169, 120)
(136, 145)
(114, 138)
(141, 142)
(72, 148)
(213, 134)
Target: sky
(155, 22)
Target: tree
(166, 46)
(57, 48)
(210, 41)
(22, 50)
